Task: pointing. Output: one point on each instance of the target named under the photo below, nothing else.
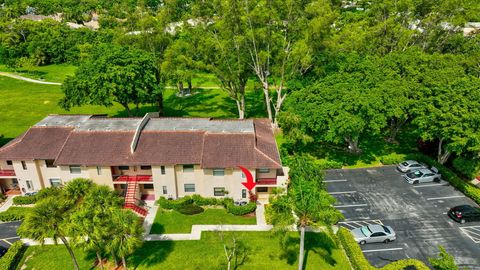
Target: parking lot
(418, 214)
(8, 233)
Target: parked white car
(410, 165)
(423, 176)
(374, 234)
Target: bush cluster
(2, 197)
(466, 188)
(11, 216)
(190, 209)
(326, 164)
(198, 200)
(392, 158)
(239, 210)
(469, 167)
(10, 260)
(22, 200)
(359, 262)
(174, 204)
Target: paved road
(417, 214)
(18, 77)
(8, 233)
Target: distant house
(146, 158)
(471, 28)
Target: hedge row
(42, 194)
(11, 216)
(200, 201)
(10, 260)
(359, 262)
(23, 200)
(392, 158)
(466, 188)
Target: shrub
(444, 261)
(467, 167)
(173, 204)
(48, 192)
(392, 158)
(10, 260)
(326, 164)
(2, 197)
(199, 200)
(239, 210)
(14, 214)
(189, 209)
(22, 200)
(354, 253)
(468, 189)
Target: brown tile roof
(76, 146)
(37, 143)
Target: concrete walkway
(260, 214)
(7, 203)
(150, 218)
(18, 77)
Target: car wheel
(415, 182)
(462, 221)
(436, 180)
(386, 241)
(362, 242)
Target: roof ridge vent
(139, 129)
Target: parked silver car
(423, 176)
(410, 165)
(374, 234)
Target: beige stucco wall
(167, 179)
(4, 166)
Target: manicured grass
(263, 251)
(170, 221)
(50, 73)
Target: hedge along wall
(10, 260)
(359, 262)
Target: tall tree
(114, 74)
(49, 219)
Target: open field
(171, 221)
(263, 251)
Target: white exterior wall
(31, 173)
(4, 166)
(167, 179)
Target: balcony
(267, 181)
(7, 173)
(132, 178)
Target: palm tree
(48, 219)
(127, 234)
(75, 190)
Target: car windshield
(405, 163)
(366, 231)
(416, 174)
(386, 229)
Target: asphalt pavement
(418, 214)
(8, 233)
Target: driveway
(416, 212)
(8, 233)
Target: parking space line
(472, 232)
(342, 192)
(449, 197)
(9, 238)
(430, 185)
(383, 249)
(351, 205)
(6, 241)
(334, 181)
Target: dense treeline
(331, 71)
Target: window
(162, 169)
(49, 163)
(188, 168)
(243, 175)
(164, 188)
(99, 170)
(377, 234)
(147, 186)
(219, 191)
(29, 184)
(189, 187)
(145, 168)
(218, 172)
(24, 165)
(123, 168)
(262, 189)
(263, 170)
(55, 182)
(75, 169)
(9, 162)
(123, 186)
(244, 193)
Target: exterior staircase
(131, 200)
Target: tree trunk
(189, 87)
(302, 248)
(160, 104)
(100, 261)
(114, 258)
(442, 157)
(395, 127)
(353, 145)
(124, 262)
(241, 107)
(129, 112)
(266, 93)
(70, 251)
(180, 88)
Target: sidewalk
(150, 218)
(8, 203)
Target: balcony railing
(133, 178)
(267, 181)
(7, 173)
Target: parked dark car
(3, 250)
(464, 213)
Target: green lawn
(175, 222)
(263, 251)
(50, 73)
